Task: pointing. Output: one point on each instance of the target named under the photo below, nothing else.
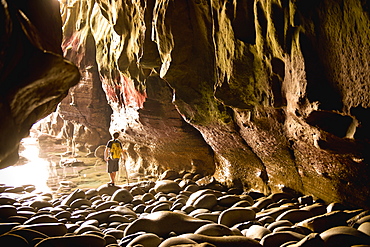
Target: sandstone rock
(99, 152)
(232, 216)
(256, 232)
(136, 191)
(266, 88)
(80, 202)
(163, 222)
(108, 190)
(326, 221)
(365, 228)
(295, 215)
(91, 193)
(147, 239)
(122, 195)
(147, 196)
(278, 238)
(65, 241)
(7, 211)
(4, 200)
(39, 204)
(41, 219)
(223, 241)
(106, 205)
(279, 223)
(228, 200)
(86, 228)
(346, 236)
(101, 216)
(214, 230)
(76, 194)
(169, 175)
(167, 186)
(176, 241)
(49, 229)
(212, 216)
(207, 201)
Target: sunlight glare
(35, 172)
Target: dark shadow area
(279, 22)
(262, 20)
(243, 22)
(363, 128)
(319, 87)
(330, 122)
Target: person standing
(112, 154)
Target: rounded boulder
(167, 186)
(122, 195)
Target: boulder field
(176, 211)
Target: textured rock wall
(34, 76)
(82, 118)
(264, 94)
(276, 93)
(109, 38)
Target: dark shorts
(113, 165)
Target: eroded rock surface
(276, 92)
(34, 76)
(264, 94)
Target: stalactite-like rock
(264, 94)
(260, 81)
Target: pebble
(178, 210)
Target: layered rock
(82, 118)
(271, 90)
(263, 94)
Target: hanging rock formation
(263, 94)
(34, 76)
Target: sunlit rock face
(82, 118)
(265, 94)
(34, 76)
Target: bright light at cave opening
(35, 171)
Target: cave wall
(263, 94)
(34, 76)
(153, 131)
(275, 92)
(82, 118)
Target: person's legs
(112, 176)
(112, 170)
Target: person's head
(115, 135)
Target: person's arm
(106, 153)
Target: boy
(112, 153)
